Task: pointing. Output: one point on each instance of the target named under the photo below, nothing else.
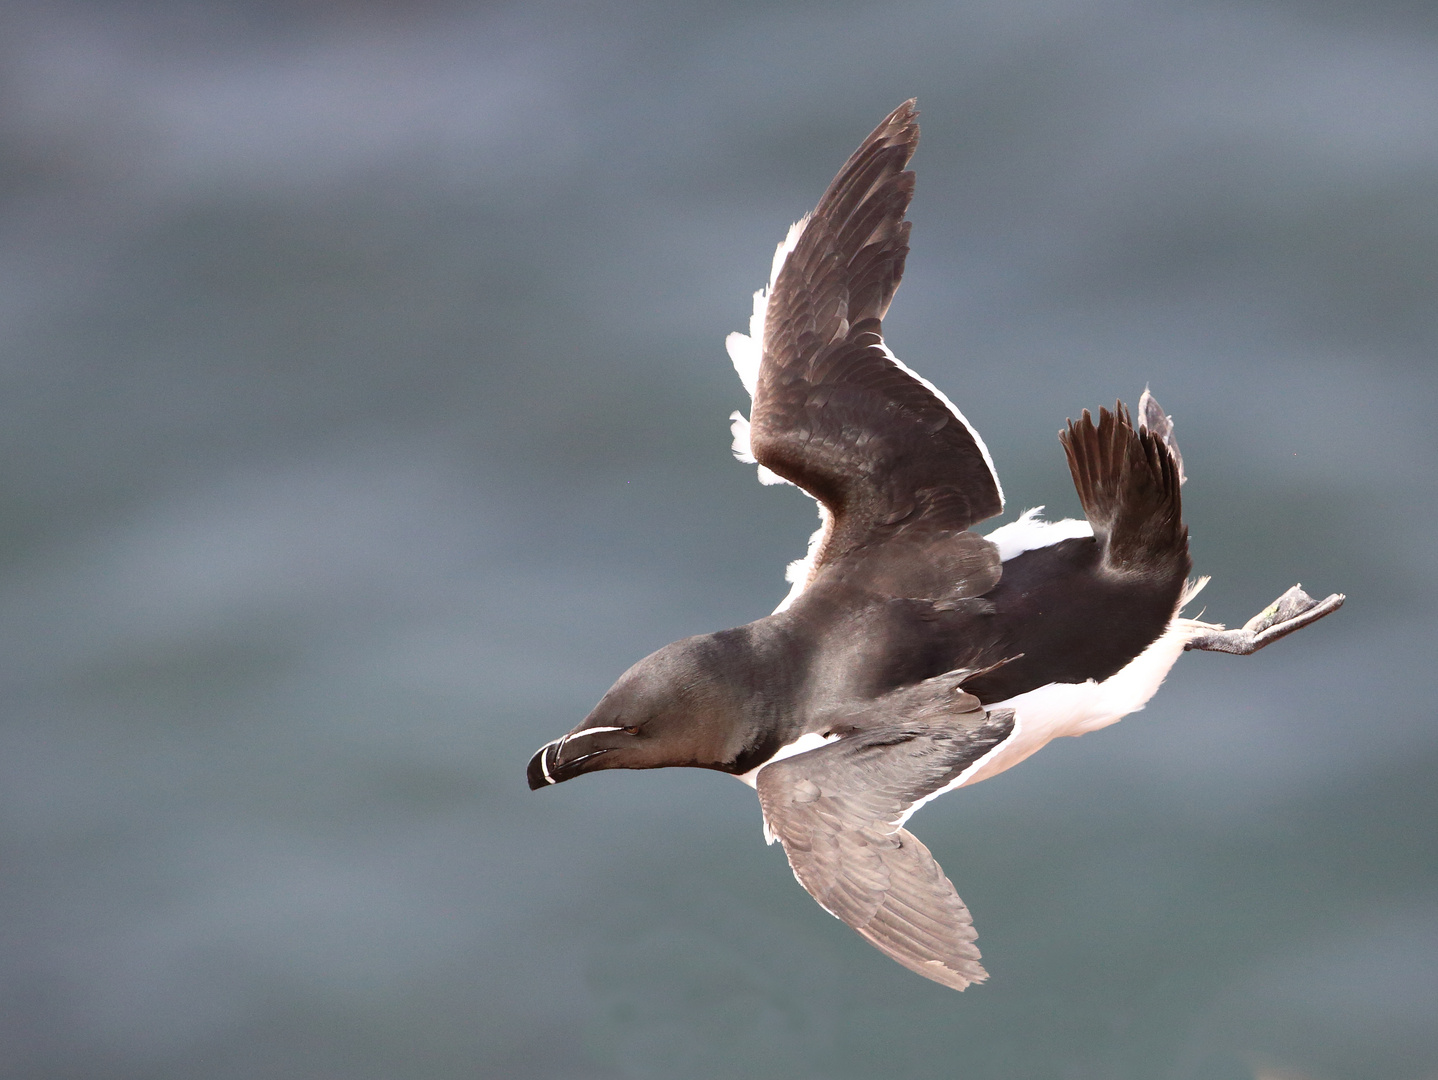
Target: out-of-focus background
(363, 411)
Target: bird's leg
(1292, 611)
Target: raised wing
(839, 811)
(835, 412)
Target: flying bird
(912, 655)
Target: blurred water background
(363, 414)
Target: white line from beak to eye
(558, 745)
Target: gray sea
(363, 413)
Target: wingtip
(959, 979)
(904, 118)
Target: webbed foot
(1292, 611)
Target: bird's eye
(631, 730)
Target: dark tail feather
(1151, 417)
(1127, 480)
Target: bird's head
(672, 708)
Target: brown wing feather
(834, 412)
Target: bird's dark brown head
(674, 707)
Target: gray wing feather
(837, 811)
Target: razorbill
(912, 655)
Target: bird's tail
(1128, 481)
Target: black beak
(538, 771)
(563, 759)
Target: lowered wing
(839, 812)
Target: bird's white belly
(1057, 709)
(1049, 712)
